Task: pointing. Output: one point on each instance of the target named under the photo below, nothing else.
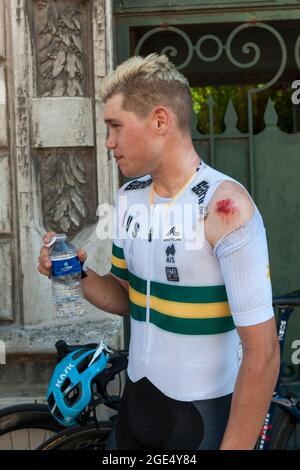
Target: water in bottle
(66, 279)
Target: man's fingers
(45, 261)
(81, 255)
(45, 251)
(44, 264)
(44, 271)
(48, 237)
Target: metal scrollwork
(209, 37)
(252, 46)
(173, 51)
(247, 48)
(296, 52)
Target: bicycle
(28, 425)
(280, 425)
(281, 422)
(283, 418)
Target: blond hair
(148, 82)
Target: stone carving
(42, 4)
(60, 43)
(64, 180)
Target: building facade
(55, 170)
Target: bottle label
(62, 267)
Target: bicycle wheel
(26, 426)
(80, 438)
(284, 431)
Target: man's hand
(44, 264)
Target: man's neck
(173, 176)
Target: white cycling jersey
(183, 336)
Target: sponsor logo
(264, 432)
(170, 254)
(282, 330)
(200, 190)
(136, 229)
(137, 184)
(172, 235)
(129, 220)
(172, 274)
(63, 376)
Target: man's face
(130, 137)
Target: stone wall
(54, 172)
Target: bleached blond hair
(146, 82)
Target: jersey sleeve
(244, 262)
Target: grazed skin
(229, 207)
(226, 209)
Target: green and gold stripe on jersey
(189, 310)
(118, 263)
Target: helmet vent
(73, 396)
(82, 366)
(51, 401)
(78, 354)
(57, 414)
(66, 384)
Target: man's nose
(110, 142)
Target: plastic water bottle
(66, 278)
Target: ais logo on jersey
(170, 251)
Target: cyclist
(191, 296)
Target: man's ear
(161, 118)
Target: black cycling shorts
(149, 420)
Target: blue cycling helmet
(70, 388)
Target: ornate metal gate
(268, 162)
(260, 161)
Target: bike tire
(29, 418)
(80, 438)
(284, 425)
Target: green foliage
(280, 96)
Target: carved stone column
(62, 169)
(8, 310)
(62, 115)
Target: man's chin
(131, 174)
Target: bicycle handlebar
(292, 299)
(117, 363)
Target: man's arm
(107, 292)
(254, 385)
(250, 302)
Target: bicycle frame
(289, 404)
